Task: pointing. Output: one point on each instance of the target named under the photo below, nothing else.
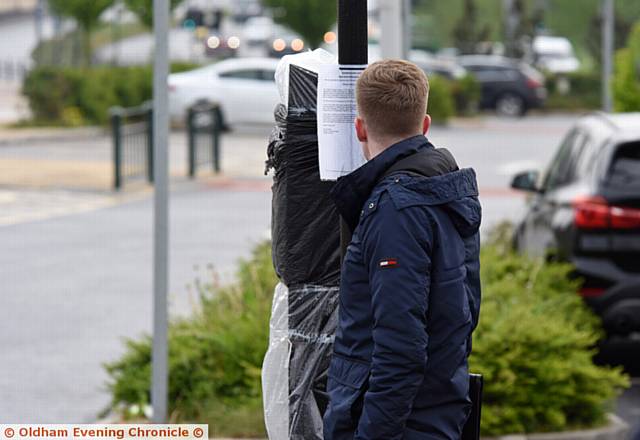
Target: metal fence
(204, 124)
(132, 135)
(132, 138)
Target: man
(410, 287)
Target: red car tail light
(533, 84)
(592, 292)
(625, 218)
(591, 213)
(596, 213)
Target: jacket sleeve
(397, 247)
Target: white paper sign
(340, 151)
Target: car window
(269, 75)
(494, 73)
(255, 74)
(625, 167)
(564, 168)
(586, 161)
(439, 71)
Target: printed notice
(339, 149)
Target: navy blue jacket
(409, 300)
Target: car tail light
(625, 218)
(596, 213)
(592, 292)
(533, 83)
(591, 213)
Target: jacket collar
(351, 191)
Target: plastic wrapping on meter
(306, 256)
(275, 368)
(294, 373)
(313, 318)
(305, 225)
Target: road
(75, 269)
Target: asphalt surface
(75, 271)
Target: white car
(244, 88)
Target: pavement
(81, 159)
(75, 271)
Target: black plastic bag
(305, 227)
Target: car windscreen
(625, 166)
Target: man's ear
(361, 130)
(426, 123)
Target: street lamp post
(159, 355)
(608, 15)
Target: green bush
(626, 81)
(533, 345)
(441, 106)
(584, 91)
(215, 355)
(54, 93)
(466, 95)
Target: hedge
(75, 96)
(584, 91)
(626, 81)
(534, 345)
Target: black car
(586, 209)
(509, 86)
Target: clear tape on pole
(275, 368)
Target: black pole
(352, 32)
(352, 49)
(191, 142)
(217, 129)
(150, 158)
(116, 130)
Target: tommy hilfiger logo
(388, 262)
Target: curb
(19, 136)
(617, 429)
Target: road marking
(7, 197)
(24, 206)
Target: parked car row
(245, 88)
(510, 87)
(585, 209)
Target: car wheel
(511, 105)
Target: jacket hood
(416, 176)
(455, 192)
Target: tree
(309, 18)
(519, 28)
(144, 9)
(467, 33)
(626, 80)
(86, 15)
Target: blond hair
(392, 97)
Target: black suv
(586, 209)
(509, 86)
